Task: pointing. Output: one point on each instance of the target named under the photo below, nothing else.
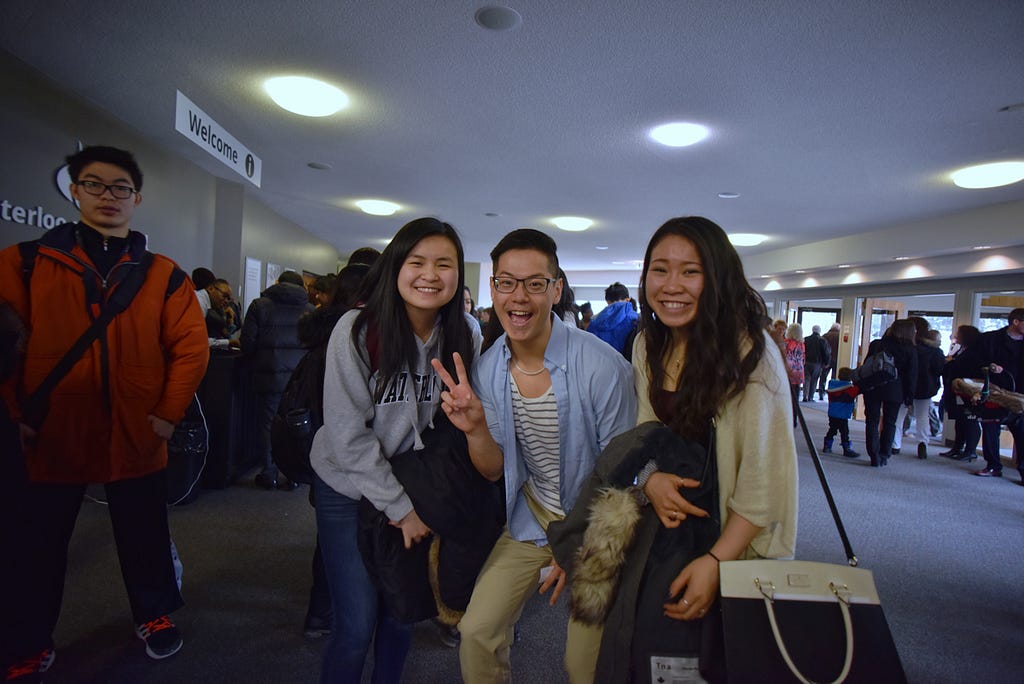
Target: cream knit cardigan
(757, 469)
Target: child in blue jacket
(842, 395)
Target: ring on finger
(685, 602)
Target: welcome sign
(193, 123)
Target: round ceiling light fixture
(573, 224)
(679, 134)
(728, 195)
(989, 175)
(377, 207)
(747, 239)
(305, 96)
(498, 18)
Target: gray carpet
(944, 548)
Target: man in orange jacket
(109, 418)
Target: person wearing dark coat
(882, 404)
(270, 342)
(1003, 352)
(817, 357)
(930, 362)
(967, 430)
(832, 337)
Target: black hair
(730, 313)
(967, 335)
(292, 278)
(567, 302)
(527, 238)
(364, 256)
(386, 310)
(347, 287)
(106, 155)
(616, 292)
(202, 278)
(1015, 315)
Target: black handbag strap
(34, 406)
(851, 558)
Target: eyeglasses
(97, 189)
(534, 286)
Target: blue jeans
(359, 613)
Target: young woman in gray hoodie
(380, 393)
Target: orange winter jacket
(149, 360)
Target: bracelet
(717, 559)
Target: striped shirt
(537, 432)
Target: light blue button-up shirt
(593, 388)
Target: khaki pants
(509, 577)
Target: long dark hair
(729, 313)
(385, 308)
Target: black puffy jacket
(270, 336)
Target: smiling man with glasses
(545, 400)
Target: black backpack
(299, 415)
(301, 411)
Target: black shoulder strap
(34, 407)
(174, 282)
(28, 252)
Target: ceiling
(828, 118)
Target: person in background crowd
(1003, 352)
(215, 297)
(617, 321)
(315, 330)
(729, 396)
(586, 315)
(109, 419)
(270, 341)
(832, 337)
(966, 430)
(323, 287)
(469, 306)
(930, 362)
(817, 357)
(544, 401)
(793, 353)
(565, 308)
(921, 326)
(883, 403)
(842, 395)
(202, 278)
(380, 393)
(223, 323)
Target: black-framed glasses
(535, 285)
(97, 189)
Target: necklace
(526, 372)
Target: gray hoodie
(351, 451)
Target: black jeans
(879, 444)
(990, 443)
(138, 514)
(840, 425)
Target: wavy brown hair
(729, 311)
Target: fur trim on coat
(611, 530)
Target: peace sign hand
(459, 402)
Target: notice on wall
(252, 281)
(193, 123)
(274, 271)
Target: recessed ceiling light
(800, 270)
(679, 134)
(989, 175)
(728, 195)
(572, 223)
(498, 18)
(378, 207)
(747, 239)
(305, 96)
(982, 247)
(601, 247)
(765, 275)
(843, 266)
(319, 166)
(900, 258)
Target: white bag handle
(769, 597)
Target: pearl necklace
(526, 372)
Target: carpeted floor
(944, 548)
